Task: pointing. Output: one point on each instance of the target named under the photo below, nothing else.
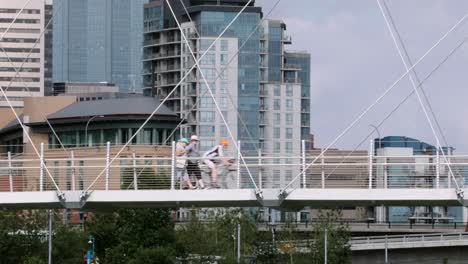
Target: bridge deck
(315, 198)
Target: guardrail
(77, 168)
(409, 241)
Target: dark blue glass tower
(99, 41)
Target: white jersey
(216, 151)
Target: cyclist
(214, 157)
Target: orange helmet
(224, 142)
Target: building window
(208, 59)
(288, 175)
(276, 104)
(277, 118)
(209, 73)
(289, 104)
(276, 147)
(204, 88)
(277, 90)
(224, 59)
(207, 131)
(289, 119)
(289, 90)
(207, 116)
(276, 132)
(289, 133)
(224, 45)
(223, 103)
(206, 102)
(223, 75)
(205, 44)
(289, 147)
(223, 87)
(206, 144)
(223, 131)
(276, 176)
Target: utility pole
(50, 237)
(326, 247)
(386, 250)
(238, 243)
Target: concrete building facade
(23, 49)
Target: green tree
(338, 249)
(215, 235)
(131, 235)
(68, 244)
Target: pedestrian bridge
(141, 180)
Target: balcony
(263, 107)
(151, 42)
(169, 68)
(161, 55)
(291, 67)
(263, 93)
(287, 40)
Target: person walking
(181, 163)
(193, 169)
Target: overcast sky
(354, 61)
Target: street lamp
(87, 124)
(378, 133)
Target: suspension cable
(401, 103)
(16, 114)
(18, 69)
(212, 96)
(416, 75)
(166, 98)
(346, 130)
(415, 88)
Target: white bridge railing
(154, 168)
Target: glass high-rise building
(262, 90)
(99, 41)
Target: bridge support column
(322, 161)
(238, 165)
(135, 179)
(260, 169)
(173, 160)
(303, 164)
(10, 172)
(72, 165)
(41, 172)
(107, 165)
(371, 154)
(437, 169)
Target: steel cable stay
(257, 190)
(18, 69)
(418, 95)
(416, 75)
(402, 101)
(352, 124)
(219, 74)
(85, 192)
(60, 194)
